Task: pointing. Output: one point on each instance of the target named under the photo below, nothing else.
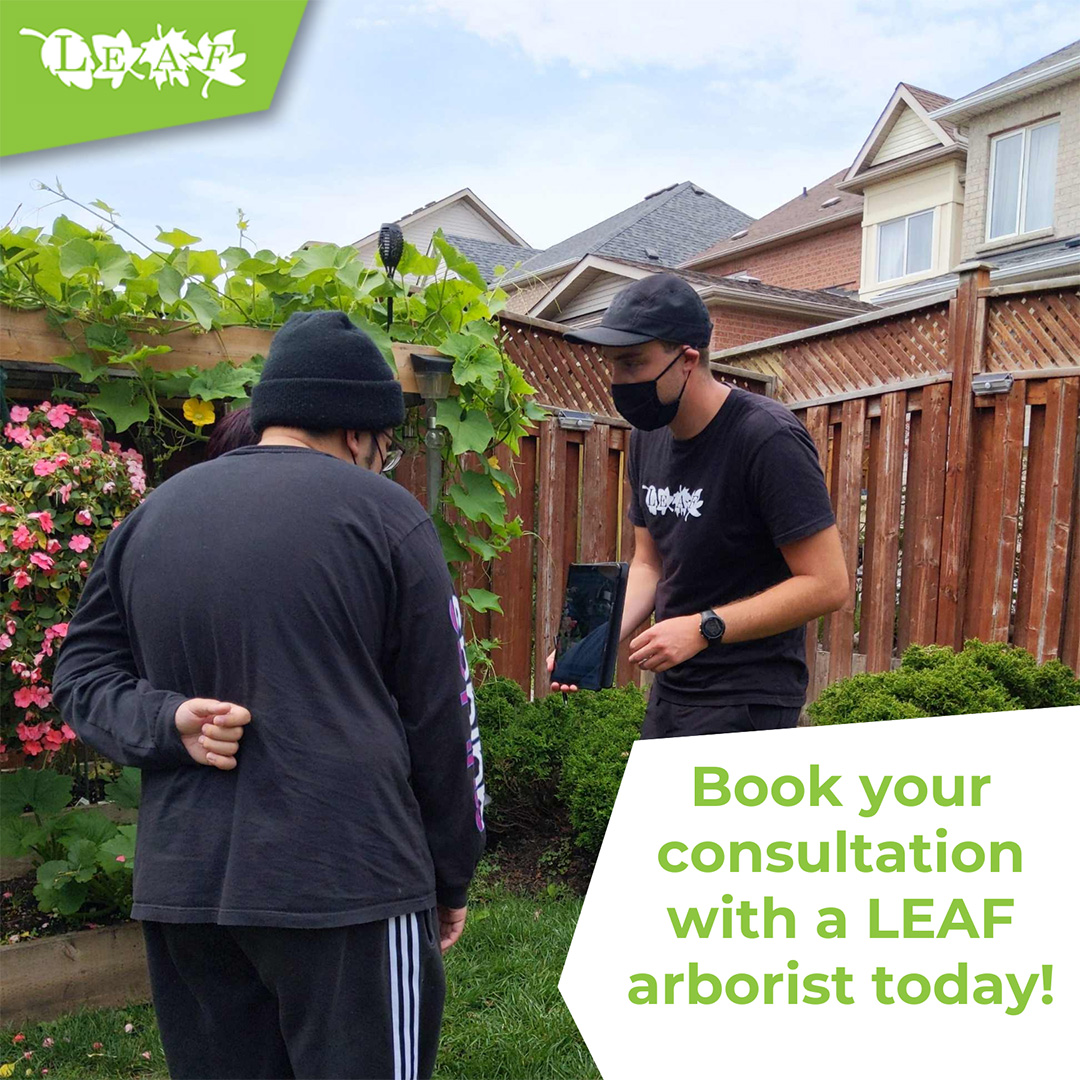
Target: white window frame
(906, 219)
(1021, 202)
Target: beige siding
(457, 219)
(936, 187)
(908, 134)
(1063, 102)
(595, 297)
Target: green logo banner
(73, 71)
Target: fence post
(967, 341)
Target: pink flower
(84, 566)
(6, 508)
(82, 517)
(59, 629)
(116, 525)
(95, 444)
(64, 492)
(7, 895)
(66, 733)
(38, 433)
(146, 1054)
(96, 1046)
(3, 547)
(62, 459)
(59, 415)
(121, 858)
(20, 669)
(53, 740)
(20, 414)
(42, 696)
(44, 519)
(41, 561)
(32, 748)
(15, 606)
(5, 642)
(44, 467)
(24, 698)
(10, 626)
(18, 434)
(21, 579)
(114, 447)
(108, 488)
(27, 1055)
(19, 1038)
(53, 546)
(48, 1042)
(79, 542)
(23, 538)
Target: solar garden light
(433, 380)
(391, 245)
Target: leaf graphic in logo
(168, 56)
(117, 57)
(217, 60)
(66, 55)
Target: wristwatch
(712, 627)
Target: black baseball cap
(660, 307)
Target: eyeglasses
(394, 453)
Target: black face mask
(640, 403)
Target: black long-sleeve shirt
(315, 594)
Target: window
(905, 245)
(1022, 168)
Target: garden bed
(47, 978)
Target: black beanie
(323, 374)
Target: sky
(557, 113)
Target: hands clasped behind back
(211, 731)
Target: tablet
(587, 645)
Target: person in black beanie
(297, 888)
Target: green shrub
(606, 725)
(933, 680)
(549, 759)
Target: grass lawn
(504, 1015)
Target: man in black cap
(736, 545)
(296, 890)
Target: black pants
(665, 719)
(272, 1003)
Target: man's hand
(558, 687)
(211, 731)
(668, 643)
(451, 923)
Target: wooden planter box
(27, 340)
(53, 976)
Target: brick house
(811, 242)
(742, 309)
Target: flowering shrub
(62, 490)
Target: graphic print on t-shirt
(684, 503)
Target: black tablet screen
(591, 598)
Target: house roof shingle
(1072, 49)
(801, 212)
(487, 254)
(931, 101)
(675, 223)
(758, 289)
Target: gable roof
(804, 213)
(464, 195)
(1050, 70)
(750, 292)
(487, 254)
(946, 140)
(674, 223)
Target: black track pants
(348, 1003)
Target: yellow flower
(7, 1068)
(200, 413)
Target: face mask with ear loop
(640, 403)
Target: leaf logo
(168, 59)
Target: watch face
(712, 627)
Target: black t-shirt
(719, 506)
